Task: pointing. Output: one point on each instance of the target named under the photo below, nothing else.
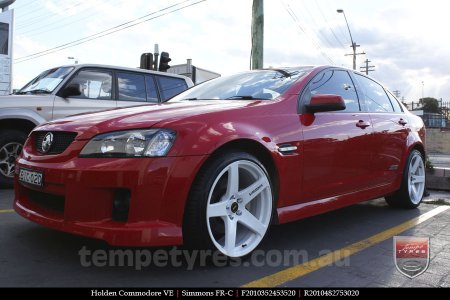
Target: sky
(403, 39)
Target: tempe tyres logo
(412, 255)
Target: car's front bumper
(78, 197)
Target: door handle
(402, 122)
(362, 124)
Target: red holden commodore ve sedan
(213, 167)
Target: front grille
(61, 140)
(49, 201)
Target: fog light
(121, 205)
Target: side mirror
(73, 89)
(322, 103)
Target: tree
(430, 105)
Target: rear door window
(375, 96)
(152, 90)
(170, 86)
(131, 87)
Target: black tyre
(230, 205)
(412, 189)
(11, 144)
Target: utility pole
(367, 68)
(396, 93)
(354, 45)
(257, 52)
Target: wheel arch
(413, 146)
(419, 147)
(23, 125)
(260, 152)
(416, 146)
(401, 198)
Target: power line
(25, 4)
(49, 21)
(43, 17)
(297, 22)
(64, 24)
(320, 33)
(329, 27)
(50, 26)
(106, 32)
(20, 13)
(343, 34)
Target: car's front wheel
(230, 205)
(11, 143)
(412, 189)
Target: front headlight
(130, 143)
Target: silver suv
(75, 89)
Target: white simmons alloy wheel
(416, 178)
(239, 208)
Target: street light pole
(75, 59)
(341, 11)
(422, 89)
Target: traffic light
(147, 61)
(164, 60)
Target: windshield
(262, 84)
(46, 82)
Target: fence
(439, 118)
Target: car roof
(79, 66)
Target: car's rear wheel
(11, 143)
(412, 189)
(230, 206)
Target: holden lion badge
(411, 255)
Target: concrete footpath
(440, 160)
(439, 177)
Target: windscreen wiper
(240, 97)
(283, 72)
(40, 91)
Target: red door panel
(389, 146)
(336, 154)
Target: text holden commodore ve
(217, 164)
